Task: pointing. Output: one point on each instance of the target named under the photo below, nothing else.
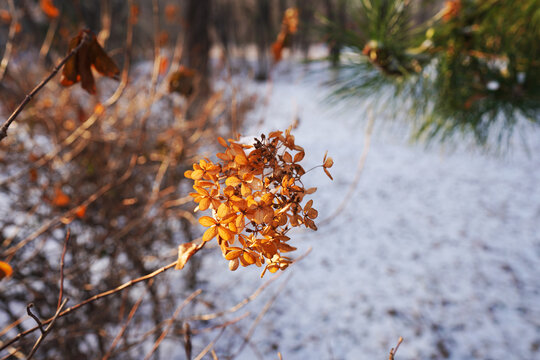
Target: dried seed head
(256, 196)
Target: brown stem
(126, 323)
(170, 322)
(61, 293)
(11, 35)
(33, 316)
(47, 330)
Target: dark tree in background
(263, 37)
(198, 43)
(336, 11)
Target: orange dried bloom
(255, 194)
(289, 27)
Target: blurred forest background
(110, 166)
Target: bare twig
(359, 170)
(128, 320)
(260, 316)
(155, 70)
(241, 304)
(393, 351)
(45, 47)
(105, 16)
(9, 44)
(127, 59)
(187, 340)
(248, 299)
(13, 352)
(61, 293)
(19, 109)
(209, 347)
(170, 322)
(47, 330)
(33, 316)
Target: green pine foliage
(473, 67)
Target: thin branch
(187, 340)
(7, 123)
(250, 298)
(155, 70)
(13, 352)
(61, 293)
(47, 330)
(105, 16)
(9, 44)
(46, 46)
(127, 59)
(128, 320)
(393, 351)
(33, 316)
(265, 309)
(359, 170)
(170, 322)
(210, 345)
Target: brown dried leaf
(101, 61)
(49, 9)
(5, 270)
(185, 252)
(299, 156)
(182, 81)
(328, 174)
(287, 157)
(78, 67)
(60, 198)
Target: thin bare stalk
(359, 170)
(46, 46)
(47, 330)
(105, 32)
(393, 351)
(127, 59)
(64, 250)
(170, 322)
(128, 320)
(9, 45)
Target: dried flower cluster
(255, 194)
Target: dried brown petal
(299, 156)
(328, 174)
(233, 254)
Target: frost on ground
(439, 246)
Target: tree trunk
(197, 20)
(263, 36)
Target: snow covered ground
(439, 246)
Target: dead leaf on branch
(49, 9)
(79, 66)
(289, 27)
(185, 252)
(182, 81)
(5, 270)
